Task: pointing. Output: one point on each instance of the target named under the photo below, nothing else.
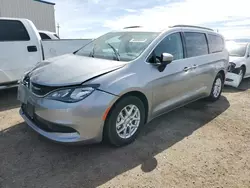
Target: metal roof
(41, 1)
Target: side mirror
(166, 58)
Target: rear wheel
(124, 121)
(217, 88)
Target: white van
(21, 49)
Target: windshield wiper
(92, 53)
(117, 55)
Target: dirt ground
(200, 145)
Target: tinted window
(171, 44)
(196, 44)
(216, 43)
(11, 30)
(44, 36)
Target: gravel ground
(200, 145)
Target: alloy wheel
(128, 121)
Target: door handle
(186, 69)
(32, 48)
(194, 66)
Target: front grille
(41, 90)
(48, 126)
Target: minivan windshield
(120, 46)
(238, 50)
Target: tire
(112, 127)
(216, 89)
(241, 72)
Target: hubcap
(217, 87)
(128, 121)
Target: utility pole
(58, 29)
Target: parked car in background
(239, 62)
(114, 85)
(47, 35)
(21, 49)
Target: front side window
(196, 44)
(171, 44)
(124, 46)
(216, 43)
(12, 30)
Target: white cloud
(235, 32)
(238, 23)
(91, 18)
(186, 12)
(130, 10)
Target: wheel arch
(245, 68)
(140, 95)
(222, 72)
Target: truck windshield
(124, 46)
(238, 50)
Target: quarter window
(196, 44)
(12, 30)
(216, 43)
(44, 36)
(171, 44)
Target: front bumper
(233, 79)
(67, 122)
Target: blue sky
(91, 18)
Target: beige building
(41, 13)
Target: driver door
(174, 86)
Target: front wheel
(241, 74)
(124, 122)
(217, 88)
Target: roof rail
(130, 27)
(199, 27)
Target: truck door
(19, 52)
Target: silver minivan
(114, 85)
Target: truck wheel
(125, 121)
(217, 88)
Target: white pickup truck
(21, 48)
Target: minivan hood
(236, 59)
(71, 69)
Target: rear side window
(44, 36)
(196, 44)
(12, 30)
(216, 43)
(171, 44)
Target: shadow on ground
(8, 99)
(29, 160)
(245, 85)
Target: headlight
(71, 94)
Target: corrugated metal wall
(41, 14)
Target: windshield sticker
(138, 40)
